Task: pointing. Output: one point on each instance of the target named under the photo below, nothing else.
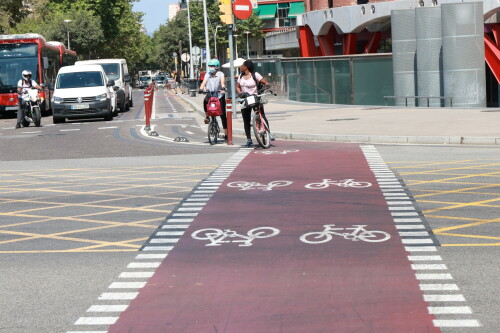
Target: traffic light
(226, 12)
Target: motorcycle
(31, 107)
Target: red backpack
(213, 107)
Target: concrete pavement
(373, 124)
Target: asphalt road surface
(103, 228)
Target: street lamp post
(215, 40)
(236, 45)
(247, 33)
(67, 30)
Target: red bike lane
(281, 283)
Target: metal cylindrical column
(403, 54)
(464, 75)
(429, 55)
(229, 118)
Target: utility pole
(207, 45)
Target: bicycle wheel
(374, 236)
(208, 233)
(260, 131)
(263, 232)
(213, 131)
(315, 237)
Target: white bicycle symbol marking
(244, 186)
(276, 152)
(358, 233)
(218, 236)
(340, 183)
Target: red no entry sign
(242, 9)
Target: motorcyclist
(23, 84)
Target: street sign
(185, 57)
(174, 54)
(203, 55)
(242, 9)
(195, 50)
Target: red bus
(31, 52)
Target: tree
(11, 13)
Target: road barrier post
(229, 118)
(149, 95)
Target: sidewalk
(374, 124)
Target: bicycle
(340, 183)
(260, 126)
(218, 236)
(358, 233)
(213, 130)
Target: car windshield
(14, 58)
(79, 80)
(112, 71)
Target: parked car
(83, 92)
(117, 70)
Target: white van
(117, 70)
(83, 92)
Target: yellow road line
(460, 205)
(468, 225)
(470, 236)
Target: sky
(155, 12)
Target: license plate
(79, 106)
(11, 108)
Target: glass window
(18, 50)
(79, 80)
(112, 71)
(11, 69)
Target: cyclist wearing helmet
(22, 85)
(214, 80)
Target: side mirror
(110, 83)
(116, 88)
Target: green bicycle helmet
(214, 62)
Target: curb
(425, 140)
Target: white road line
(151, 256)
(444, 298)
(179, 220)
(175, 226)
(188, 132)
(118, 296)
(143, 265)
(442, 276)
(424, 258)
(107, 308)
(157, 248)
(409, 226)
(133, 275)
(420, 248)
(449, 310)
(96, 321)
(456, 323)
(409, 220)
(164, 240)
(69, 130)
(404, 214)
(127, 285)
(417, 241)
(399, 203)
(170, 233)
(414, 234)
(34, 132)
(107, 127)
(439, 286)
(428, 266)
(402, 208)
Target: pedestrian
(178, 83)
(248, 84)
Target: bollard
(147, 96)
(229, 118)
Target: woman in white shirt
(248, 82)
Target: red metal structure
(31, 52)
